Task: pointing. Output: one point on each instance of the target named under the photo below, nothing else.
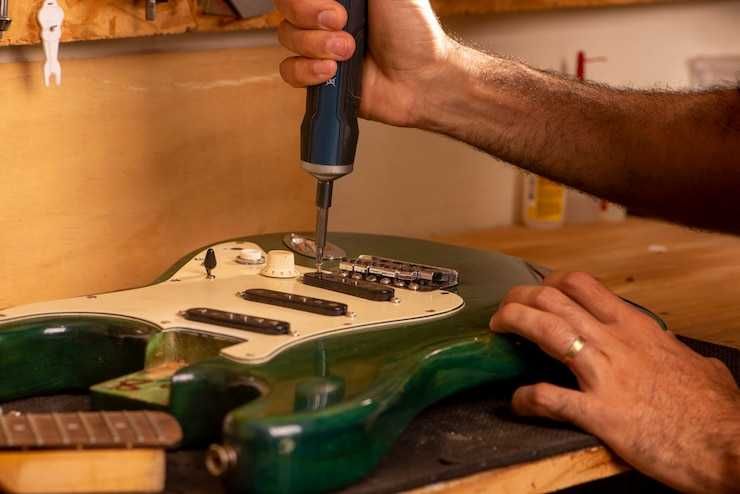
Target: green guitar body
(316, 417)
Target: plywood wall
(136, 160)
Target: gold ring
(575, 348)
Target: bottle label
(549, 202)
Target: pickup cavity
(356, 288)
(297, 302)
(238, 321)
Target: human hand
(407, 50)
(669, 412)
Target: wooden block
(548, 475)
(98, 471)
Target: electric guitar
(299, 381)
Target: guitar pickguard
(163, 305)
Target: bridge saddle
(400, 274)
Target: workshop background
(153, 147)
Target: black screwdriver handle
(329, 132)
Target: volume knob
(280, 264)
(250, 256)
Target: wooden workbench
(690, 278)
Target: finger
(303, 72)
(316, 44)
(553, 335)
(590, 294)
(553, 402)
(313, 14)
(552, 300)
(723, 372)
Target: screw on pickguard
(210, 263)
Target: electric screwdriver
(330, 132)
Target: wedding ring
(575, 348)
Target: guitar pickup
(297, 302)
(356, 288)
(238, 321)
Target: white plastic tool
(50, 19)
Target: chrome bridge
(399, 274)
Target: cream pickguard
(161, 305)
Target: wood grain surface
(548, 475)
(137, 160)
(688, 277)
(107, 19)
(99, 19)
(100, 471)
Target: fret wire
(154, 427)
(6, 430)
(34, 430)
(88, 429)
(111, 429)
(134, 427)
(60, 428)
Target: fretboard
(89, 430)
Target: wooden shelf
(108, 19)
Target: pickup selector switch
(210, 263)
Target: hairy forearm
(675, 155)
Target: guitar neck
(83, 430)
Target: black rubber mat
(475, 431)
(465, 434)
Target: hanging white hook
(50, 18)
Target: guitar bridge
(399, 274)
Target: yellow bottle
(543, 202)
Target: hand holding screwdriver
(407, 50)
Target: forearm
(670, 154)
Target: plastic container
(544, 203)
